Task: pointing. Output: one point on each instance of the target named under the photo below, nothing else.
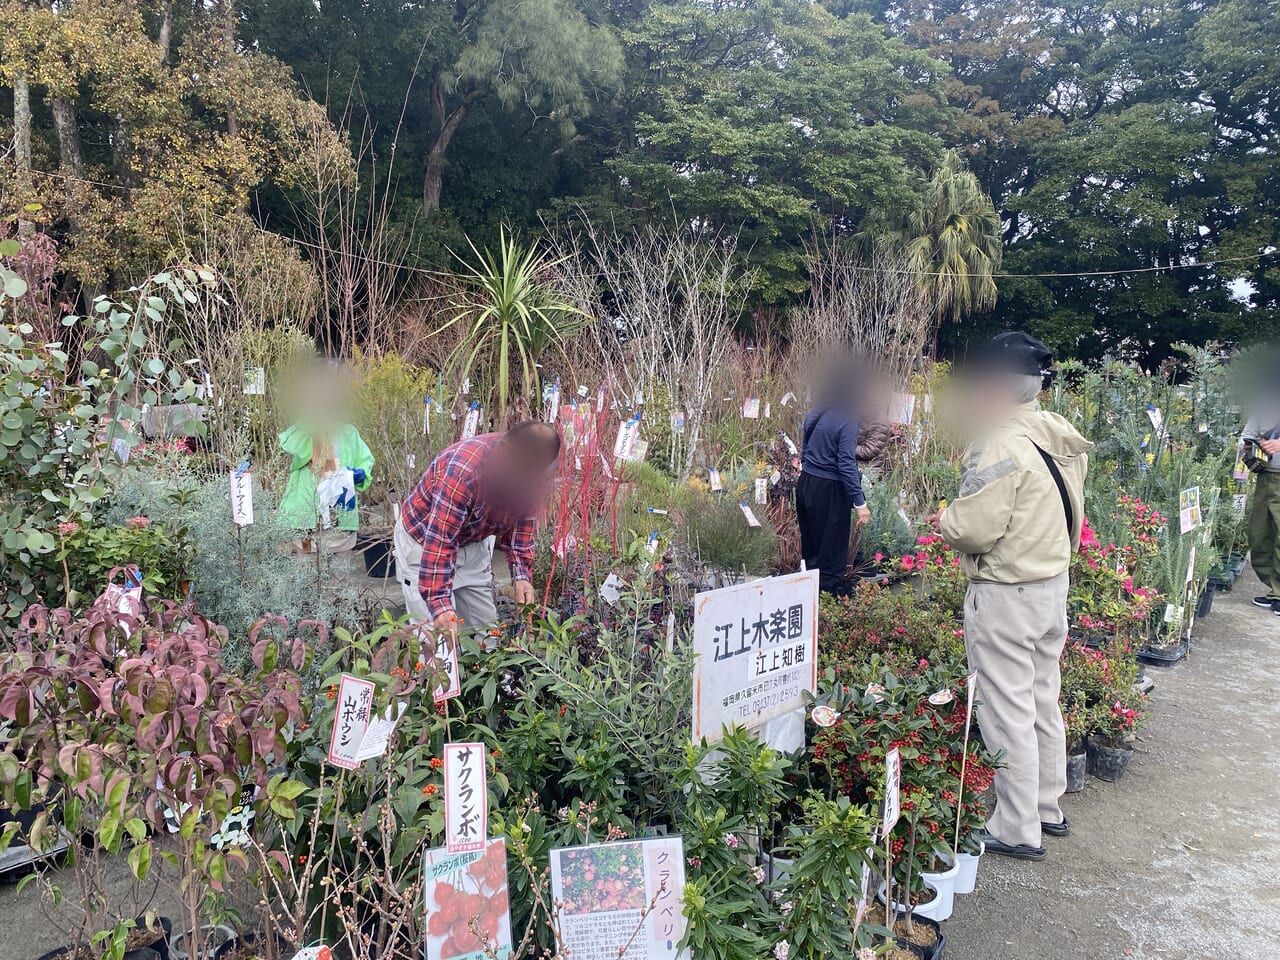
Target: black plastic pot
(904, 945)
(1076, 770)
(939, 949)
(1165, 656)
(232, 947)
(1108, 763)
(379, 558)
(1205, 605)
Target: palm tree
(951, 234)
(512, 317)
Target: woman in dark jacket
(830, 485)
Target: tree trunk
(70, 157)
(22, 144)
(445, 125)
(121, 151)
(165, 40)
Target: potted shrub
(1078, 718)
(1111, 740)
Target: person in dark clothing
(830, 485)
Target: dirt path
(1178, 861)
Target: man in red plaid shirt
(477, 492)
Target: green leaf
(140, 860)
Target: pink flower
(695, 862)
(923, 664)
(879, 557)
(138, 523)
(67, 528)
(1128, 584)
(731, 840)
(908, 562)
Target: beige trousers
(1015, 634)
(472, 580)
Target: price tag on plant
(241, 497)
(751, 408)
(447, 661)
(350, 721)
(892, 788)
(749, 514)
(788, 398)
(713, 475)
(1189, 509)
(466, 797)
(472, 424)
(762, 491)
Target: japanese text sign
(892, 786)
(350, 721)
(756, 648)
(466, 894)
(466, 797)
(621, 899)
(241, 498)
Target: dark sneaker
(1264, 601)
(1056, 829)
(1019, 851)
(1275, 608)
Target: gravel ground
(1171, 864)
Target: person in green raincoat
(333, 460)
(329, 463)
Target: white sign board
(892, 791)
(1189, 509)
(756, 648)
(466, 797)
(621, 900)
(241, 498)
(350, 721)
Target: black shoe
(1056, 829)
(1264, 602)
(1275, 608)
(1019, 852)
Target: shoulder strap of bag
(804, 440)
(1062, 488)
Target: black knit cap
(1016, 352)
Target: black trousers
(822, 513)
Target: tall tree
(774, 118)
(950, 236)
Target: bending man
(477, 492)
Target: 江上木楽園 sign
(756, 648)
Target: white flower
(731, 840)
(757, 874)
(781, 949)
(866, 953)
(786, 907)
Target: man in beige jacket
(1017, 522)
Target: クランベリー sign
(466, 797)
(756, 646)
(620, 899)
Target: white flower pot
(945, 884)
(967, 879)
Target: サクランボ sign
(756, 646)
